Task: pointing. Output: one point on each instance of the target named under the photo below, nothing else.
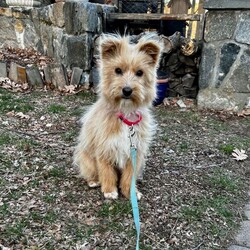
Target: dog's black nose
(127, 91)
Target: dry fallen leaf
(22, 115)
(239, 155)
(244, 112)
(70, 89)
(4, 248)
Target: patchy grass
(5, 139)
(183, 146)
(10, 102)
(193, 190)
(227, 149)
(221, 181)
(118, 208)
(56, 108)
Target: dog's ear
(152, 48)
(109, 47)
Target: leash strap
(133, 196)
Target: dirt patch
(194, 191)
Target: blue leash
(133, 197)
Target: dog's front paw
(94, 184)
(113, 195)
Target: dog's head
(128, 71)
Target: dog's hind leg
(108, 179)
(88, 169)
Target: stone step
(13, 72)
(76, 76)
(21, 74)
(34, 77)
(58, 75)
(17, 73)
(3, 69)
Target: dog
(126, 91)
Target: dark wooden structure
(155, 16)
(134, 16)
(141, 21)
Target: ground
(193, 190)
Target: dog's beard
(128, 104)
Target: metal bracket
(132, 136)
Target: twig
(173, 228)
(197, 247)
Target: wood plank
(144, 16)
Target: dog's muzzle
(126, 92)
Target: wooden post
(200, 25)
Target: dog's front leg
(126, 178)
(108, 179)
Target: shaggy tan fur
(103, 147)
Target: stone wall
(224, 80)
(63, 30)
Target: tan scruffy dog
(127, 89)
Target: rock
(242, 34)
(47, 39)
(95, 75)
(76, 76)
(31, 37)
(58, 18)
(226, 4)
(221, 99)
(188, 81)
(63, 30)
(181, 104)
(47, 74)
(44, 14)
(3, 3)
(243, 238)
(84, 78)
(239, 77)
(247, 211)
(220, 25)
(228, 56)
(21, 74)
(207, 66)
(84, 17)
(225, 61)
(34, 76)
(13, 72)
(235, 247)
(58, 75)
(76, 51)
(3, 69)
(8, 35)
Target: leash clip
(132, 136)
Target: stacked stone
(63, 31)
(224, 80)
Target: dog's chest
(122, 142)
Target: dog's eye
(118, 71)
(139, 73)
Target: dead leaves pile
(12, 86)
(6, 83)
(24, 56)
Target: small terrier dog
(126, 92)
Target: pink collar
(128, 122)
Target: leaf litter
(193, 192)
